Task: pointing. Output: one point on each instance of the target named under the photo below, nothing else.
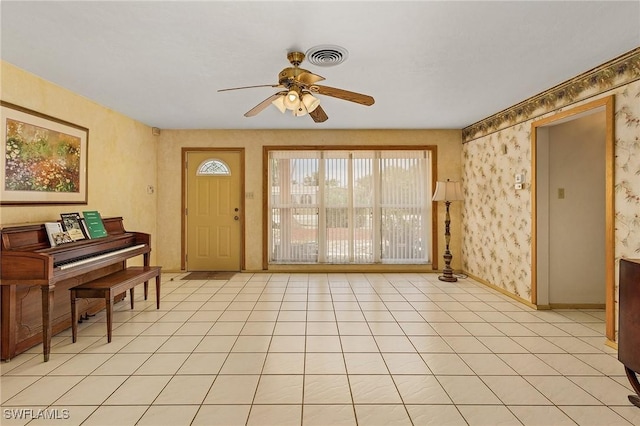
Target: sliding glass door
(349, 207)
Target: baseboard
(503, 291)
(577, 305)
(345, 268)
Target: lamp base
(448, 278)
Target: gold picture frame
(44, 159)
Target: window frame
(226, 170)
(267, 150)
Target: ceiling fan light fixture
(279, 103)
(292, 100)
(310, 102)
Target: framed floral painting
(44, 159)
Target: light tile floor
(324, 349)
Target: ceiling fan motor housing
(289, 76)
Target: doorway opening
(573, 210)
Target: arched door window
(213, 167)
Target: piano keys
(91, 259)
(35, 279)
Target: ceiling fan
(299, 87)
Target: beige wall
(448, 144)
(577, 221)
(124, 159)
(121, 161)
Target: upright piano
(35, 279)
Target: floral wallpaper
(627, 172)
(496, 219)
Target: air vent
(326, 55)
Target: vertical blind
(351, 207)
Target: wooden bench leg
(109, 302)
(131, 295)
(146, 289)
(74, 317)
(157, 291)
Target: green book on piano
(95, 227)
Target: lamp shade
(310, 102)
(292, 100)
(447, 191)
(302, 110)
(279, 103)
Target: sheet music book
(95, 227)
(71, 224)
(57, 235)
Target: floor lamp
(447, 191)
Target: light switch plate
(561, 193)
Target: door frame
(608, 104)
(183, 206)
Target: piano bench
(109, 286)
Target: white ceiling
(428, 64)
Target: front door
(214, 215)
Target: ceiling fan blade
(358, 98)
(249, 87)
(262, 105)
(309, 78)
(318, 115)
